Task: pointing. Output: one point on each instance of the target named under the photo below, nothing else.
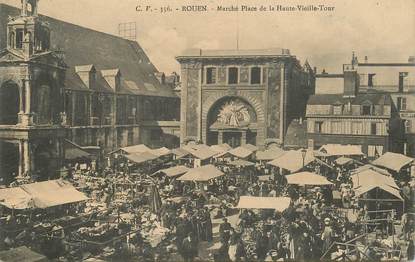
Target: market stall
(276, 203)
(307, 178)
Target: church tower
(32, 81)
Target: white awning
(203, 173)
(293, 160)
(41, 195)
(174, 171)
(393, 161)
(307, 178)
(341, 150)
(252, 202)
(136, 149)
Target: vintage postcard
(207, 130)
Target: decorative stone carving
(234, 113)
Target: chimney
(351, 83)
(113, 78)
(411, 59)
(366, 59)
(87, 74)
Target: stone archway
(9, 103)
(211, 104)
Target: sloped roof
(393, 191)
(393, 161)
(331, 99)
(241, 152)
(341, 150)
(370, 177)
(74, 151)
(139, 158)
(15, 198)
(203, 173)
(343, 161)
(180, 152)
(200, 151)
(293, 160)
(84, 46)
(221, 148)
(41, 195)
(174, 171)
(136, 149)
(252, 202)
(307, 178)
(269, 154)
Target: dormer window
(337, 109)
(366, 110)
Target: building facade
(31, 98)
(96, 90)
(241, 96)
(398, 80)
(371, 112)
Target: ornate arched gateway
(231, 120)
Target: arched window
(9, 103)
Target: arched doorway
(9, 161)
(9, 103)
(231, 120)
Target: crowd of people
(160, 218)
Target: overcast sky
(384, 30)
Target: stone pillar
(220, 137)
(27, 168)
(243, 137)
(21, 163)
(26, 118)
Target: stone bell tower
(31, 97)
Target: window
(401, 103)
(211, 75)
(337, 109)
(373, 129)
(318, 127)
(357, 128)
(255, 75)
(374, 151)
(407, 126)
(233, 75)
(336, 127)
(366, 110)
(370, 79)
(19, 38)
(402, 76)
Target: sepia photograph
(207, 130)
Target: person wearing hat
(224, 230)
(327, 235)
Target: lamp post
(303, 153)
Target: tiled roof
(331, 99)
(83, 46)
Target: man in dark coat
(189, 248)
(224, 230)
